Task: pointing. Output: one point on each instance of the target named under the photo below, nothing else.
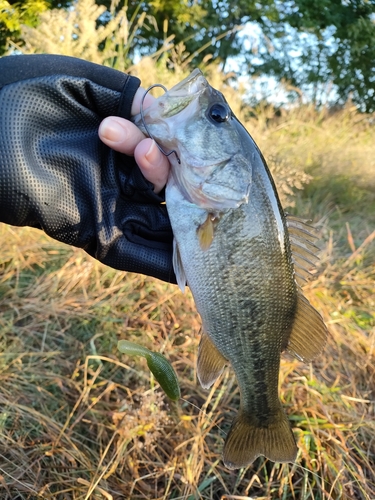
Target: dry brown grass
(78, 420)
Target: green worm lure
(158, 365)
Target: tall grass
(80, 421)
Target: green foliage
(322, 42)
(324, 47)
(15, 14)
(208, 29)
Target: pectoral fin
(206, 231)
(309, 333)
(210, 362)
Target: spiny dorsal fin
(309, 333)
(177, 267)
(210, 362)
(302, 237)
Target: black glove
(56, 174)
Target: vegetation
(13, 16)
(321, 46)
(79, 420)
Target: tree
(208, 28)
(308, 43)
(322, 41)
(15, 14)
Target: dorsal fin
(178, 267)
(309, 333)
(304, 250)
(210, 362)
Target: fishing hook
(145, 126)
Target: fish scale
(232, 247)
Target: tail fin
(247, 441)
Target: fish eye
(219, 113)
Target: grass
(78, 420)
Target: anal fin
(309, 333)
(210, 362)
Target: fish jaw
(160, 117)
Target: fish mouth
(192, 84)
(181, 95)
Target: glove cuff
(127, 96)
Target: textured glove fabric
(56, 174)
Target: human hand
(123, 136)
(58, 176)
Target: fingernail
(153, 155)
(113, 131)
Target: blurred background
(80, 421)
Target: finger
(136, 106)
(153, 164)
(120, 134)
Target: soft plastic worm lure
(158, 365)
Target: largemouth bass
(242, 258)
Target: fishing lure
(158, 365)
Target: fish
(243, 258)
